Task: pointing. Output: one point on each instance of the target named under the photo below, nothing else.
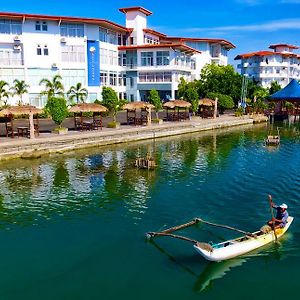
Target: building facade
(132, 59)
(281, 65)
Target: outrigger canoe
(241, 245)
(231, 248)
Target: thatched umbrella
(173, 104)
(206, 102)
(88, 107)
(133, 106)
(177, 103)
(137, 105)
(23, 110)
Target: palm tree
(19, 88)
(53, 87)
(4, 93)
(77, 92)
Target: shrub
(58, 110)
(224, 101)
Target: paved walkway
(48, 143)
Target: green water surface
(73, 226)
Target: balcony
(11, 62)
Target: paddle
(272, 213)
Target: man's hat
(284, 206)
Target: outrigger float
(231, 248)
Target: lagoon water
(73, 226)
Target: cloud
(271, 26)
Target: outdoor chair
(97, 120)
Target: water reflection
(107, 178)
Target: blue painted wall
(93, 55)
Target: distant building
(281, 65)
(131, 59)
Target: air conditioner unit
(54, 65)
(17, 38)
(63, 40)
(17, 47)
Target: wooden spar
(175, 228)
(153, 234)
(227, 227)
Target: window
(131, 82)
(113, 78)
(113, 58)
(73, 76)
(147, 58)
(108, 36)
(155, 77)
(72, 30)
(162, 58)
(41, 26)
(10, 26)
(73, 53)
(103, 78)
(45, 26)
(122, 59)
(122, 79)
(37, 26)
(10, 57)
(39, 50)
(46, 50)
(131, 97)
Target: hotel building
(281, 65)
(132, 59)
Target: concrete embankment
(49, 143)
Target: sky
(251, 25)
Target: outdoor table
(22, 131)
(88, 125)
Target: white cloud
(291, 24)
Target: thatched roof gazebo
(132, 108)
(206, 102)
(29, 110)
(95, 108)
(87, 107)
(172, 105)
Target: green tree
(155, 100)
(182, 88)
(224, 101)
(53, 88)
(111, 101)
(193, 98)
(19, 89)
(77, 92)
(275, 87)
(4, 93)
(220, 79)
(57, 108)
(261, 93)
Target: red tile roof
(181, 47)
(208, 40)
(154, 32)
(136, 8)
(100, 22)
(264, 53)
(283, 45)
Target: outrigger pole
(168, 232)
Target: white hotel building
(132, 59)
(281, 65)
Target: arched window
(39, 50)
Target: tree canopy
(155, 100)
(111, 101)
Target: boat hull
(233, 248)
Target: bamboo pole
(272, 214)
(226, 227)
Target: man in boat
(281, 216)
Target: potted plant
(57, 108)
(113, 104)
(155, 100)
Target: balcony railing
(11, 62)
